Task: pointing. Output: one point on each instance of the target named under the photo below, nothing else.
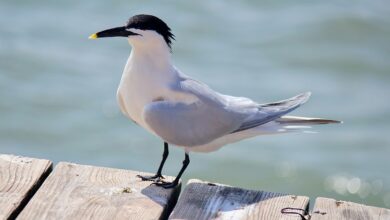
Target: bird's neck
(155, 57)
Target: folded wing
(195, 123)
(211, 116)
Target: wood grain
(75, 191)
(20, 177)
(330, 209)
(202, 200)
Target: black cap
(150, 22)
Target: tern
(183, 111)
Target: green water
(57, 88)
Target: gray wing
(271, 111)
(196, 123)
(211, 116)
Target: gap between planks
(75, 191)
(20, 178)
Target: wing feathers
(211, 115)
(271, 111)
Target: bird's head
(142, 31)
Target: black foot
(156, 178)
(166, 185)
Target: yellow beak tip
(93, 36)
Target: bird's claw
(166, 185)
(156, 178)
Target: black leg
(168, 185)
(158, 176)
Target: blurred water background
(57, 88)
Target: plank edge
(31, 192)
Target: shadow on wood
(155, 195)
(201, 200)
(75, 191)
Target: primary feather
(272, 111)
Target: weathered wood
(20, 177)
(75, 191)
(85, 192)
(330, 209)
(201, 200)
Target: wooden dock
(31, 189)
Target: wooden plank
(75, 191)
(20, 177)
(201, 200)
(329, 209)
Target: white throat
(157, 55)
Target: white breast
(142, 83)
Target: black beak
(113, 32)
